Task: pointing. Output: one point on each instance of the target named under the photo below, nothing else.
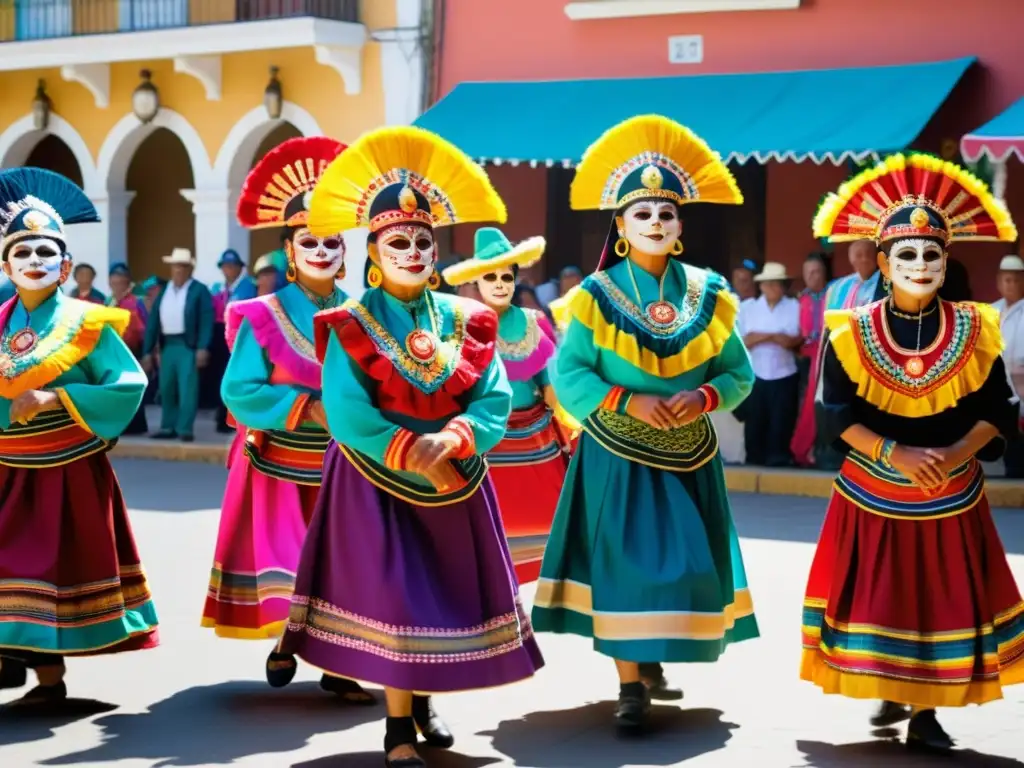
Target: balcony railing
(47, 19)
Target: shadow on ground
(585, 737)
(437, 758)
(20, 725)
(220, 724)
(871, 754)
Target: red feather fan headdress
(277, 191)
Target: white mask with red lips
(319, 258)
(407, 254)
(651, 226)
(497, 288)
(917, 266)
(34, 263)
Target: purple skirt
(416, 598)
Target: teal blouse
(105, 386)
(610, 341)
(512, 329)
(255, 395)
(422, 402)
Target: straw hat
(180, 256)
(1011, 263)
(493, 251)
(772, 270)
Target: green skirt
(644, 561)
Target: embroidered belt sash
(886, 492)
(52, 439)
(677, 450)
(529, 439)
(295, 456)
(472, 472)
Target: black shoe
(634, 706)
(660, 689)
(224, 429)
(925, 733)
(188, 438)
(163, 434)
(347, 690)
(890, 713)
(435, 731)
(13, 674)
(41, 696)
(400, 732)
(280, 677)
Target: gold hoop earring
(434, 281)
(291, 274)
(622, 247)
(677, 248)
(341, 273)
(374, 277)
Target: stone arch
(129, 132)
(21, 137)
(235, 156)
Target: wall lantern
(273, 100)
(145, 98)
(41, 106)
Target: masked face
(34, 263)
(406, 254)
(496, 288)
(651, 226)
(917, 267)
(319, 258)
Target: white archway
(235, 156)
(21, 137)
(129, 132)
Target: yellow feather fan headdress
(650, 157)
(402, 175)
(913, 195)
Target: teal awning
(999, 138)
(828, 114)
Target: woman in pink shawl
(812, 315)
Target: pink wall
(534, 39)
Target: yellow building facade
(344, 67)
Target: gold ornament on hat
(651, 177)
(919, 219)
(34, 221)
(407, 200)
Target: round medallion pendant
(421, 347)
(914, 367)
(661, 313)
(23, 341)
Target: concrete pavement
(201, 701)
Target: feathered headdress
(276, 193)
(650, 157)
(402, 175)
(35, 202)
(913, 196)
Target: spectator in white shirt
(770, 326)
(1011, 322)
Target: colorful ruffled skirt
(528, 469)
(910, 598)
(71, 580)
(645, 560)
(262, 526)
(412, 597)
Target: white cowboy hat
(180, 256)
(1011, 263)
(772, 270)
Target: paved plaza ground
(202, 701)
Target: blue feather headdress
(38, 203)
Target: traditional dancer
(528, 465)
(910, 598)
(643, 556)
(272, 386)
(71, 582)
(392, 589)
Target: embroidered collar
(690, 310)
(515, 351)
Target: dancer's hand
(430, 450)
(921, 465)
(315, 412)
(444, 477)
(652, 410)
(30, 404)
(687, 406)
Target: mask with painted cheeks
(651, 226)
(497, 287)
(318, 258)
(406, 254)
(36, 263)
(916, 266)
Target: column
(214, 213)
(105, 242)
